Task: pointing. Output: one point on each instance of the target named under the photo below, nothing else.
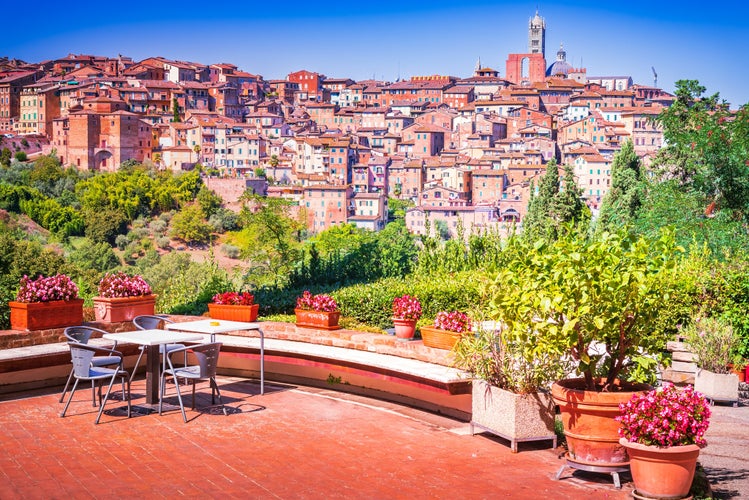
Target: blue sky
(387, 39)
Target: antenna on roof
(655, 77)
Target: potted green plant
(45, 303)
(317, 311)
(234, 306)
(713, 342)
(406, 312)
(510, 394)
(122, 297)
(663, 431)
(593, 300)
(447, 329)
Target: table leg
(152, 374)
(262, 362)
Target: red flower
(234, 298)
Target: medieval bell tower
(537, 35)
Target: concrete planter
(515, 417)
(721, 387)
(119, 309)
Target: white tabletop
(153, 337)
(212, 326)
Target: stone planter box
(119, 309)
(720, 387)
(515, 417)
(45, 315)
(317, 319)
(230, 312)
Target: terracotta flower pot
(231, 312)
(119, 309)
(405, 329)
(588, 419)
(317, 319)
(45, 315)
(438, 338)
(662, 472)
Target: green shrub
(230, 251)
(163, 242)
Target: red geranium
(234, 298)
(455, 321)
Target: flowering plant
(58, 287)
(665, 417)
(320, 302)
(455, 321)
(713, 341)
(234, 298)
(406, 307)
(119, 284)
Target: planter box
(515, 417)
(439, 339)
(721, 387)
(119, 309)
(45, 315)
(231, 312)
(317, 319)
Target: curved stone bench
(371, 364)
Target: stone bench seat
(371, 364)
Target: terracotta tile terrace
(345, 414)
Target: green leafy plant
(593, 299)
(713, 341)
(497, 357)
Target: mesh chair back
(81, 356)
(81, 334)
(148, 322)
(207, 357)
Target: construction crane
(655, 77)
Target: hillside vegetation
(142, 221)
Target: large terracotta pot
(663, 473)
(45, 315)
(119, 309)
(405, 329)
(588, 419)
(317, 319)
(438, 338)
(231, 312)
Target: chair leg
(179, 396)
(67, 384)
(106, 396)
(218, 393)
(70, 398)
(137, 362)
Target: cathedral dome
(560, 67)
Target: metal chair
(81, 335)
(152, 322)
(81, 356)
(205, 369)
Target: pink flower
(406, 307)
(454, 321)
(666, 417)
(117, 285)
(58, 287)
(320, 302)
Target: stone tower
(537, 35)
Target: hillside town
(465, 151)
